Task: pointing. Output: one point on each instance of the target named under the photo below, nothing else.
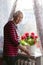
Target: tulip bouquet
(31, 42)
(29, 39)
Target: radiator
(23, 62)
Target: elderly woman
(11, 41)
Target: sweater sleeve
(13, 35)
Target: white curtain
(38, 7)
(26, 6)
(6, 7)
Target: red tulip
(36, 37)
(32, 35)
(23, 37)
(27, 34)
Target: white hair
(17, 13)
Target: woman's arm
(23, 49)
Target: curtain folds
(39, 17)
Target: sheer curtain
(6, 7)
(26, 6)
(33, 13)
(38, 8)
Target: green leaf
(23, 42)
(31, 41)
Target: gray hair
(17, 14)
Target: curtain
(6, 11)
(26, 6)
(38, 9)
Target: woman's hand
(24, 49)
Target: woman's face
(19, 18)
